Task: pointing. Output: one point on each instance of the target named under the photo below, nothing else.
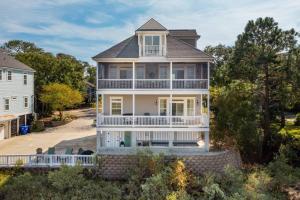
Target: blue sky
(84, 28)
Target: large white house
(16, 95)
(153, 91)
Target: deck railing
(152, 84)
(152, 121)
(44, 160)
(189, 84)
(114, 83)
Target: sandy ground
(76, 134)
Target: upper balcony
(153, 76)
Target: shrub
(178, 175)
(37, 126)
(297, 120)
(155, 188)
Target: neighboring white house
(153, 90)
(16, 95)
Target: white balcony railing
(152, 121)
(190, 84)
(115, 83)
(153, 50)
(152, 84)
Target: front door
(178, 108)
(127, 138)
(1, 132)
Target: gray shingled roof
(184, 33)
(7, 61)
(152, 25)
(175, 49)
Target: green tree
(91, 74)
(255, 59)
(221, 54)
(60, 96)
(18, 46)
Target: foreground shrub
(297, 120)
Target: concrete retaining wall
(118, 166)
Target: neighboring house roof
(184, 33)
(7, 61)
(175, 48)
(152, 25)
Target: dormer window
(152, 45)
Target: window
(25, 79)
(190, 107)
(112, 72)
(178, 73)
(14, 98)
(163, 72)
(191, 73)
(116, 106)
(9, 75)
(163, 107)
(140, 72)
(25, 102)
(152, 45)
(125, 73)
(0, 75)
(6, 104)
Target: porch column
(97, 108)
(206, 141)
(18, 124)
(133, 75)
(133, 133)
(171, 133)
(171, 71)
(25, 119)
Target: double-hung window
(9, 75)
(25, 102)
(116, 106)
(6, 104)
(25, 79)
(152, 45)
(163, 107)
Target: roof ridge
(190, 46)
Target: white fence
(153, 121)
(44, 160)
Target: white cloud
(217, 21)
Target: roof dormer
(152, 39)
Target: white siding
(16, 88)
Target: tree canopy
(60, 96)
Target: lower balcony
(153, 121)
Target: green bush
(37, 126)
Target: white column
(133, 108)
(171, 72)
(171, 133)
(25, 117)
(133, 75)
(170, 109)
(18, 124)
(97, 108)
(206, 141)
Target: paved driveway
(76, 134)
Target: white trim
(152, 59)
(151, 129)
(153, 91)
(111, 101)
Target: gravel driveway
(76, 134)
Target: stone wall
(118, 166)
